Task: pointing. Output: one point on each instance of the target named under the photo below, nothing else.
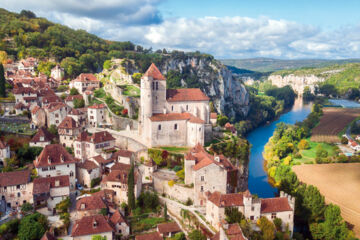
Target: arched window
(187, 107)
(175, 126)
(159, 127)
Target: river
(258, 179)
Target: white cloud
(236, 37)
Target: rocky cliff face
(298, 83)
(227, 92)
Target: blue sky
(284, 29)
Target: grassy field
(309, 155)
(146, 223)
(130, 90)
(332, 123)
(339, 183)
(175, 149)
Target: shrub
(171, 183)
(222, 120)
(95, 182)
(124, 112)
(344, 140)
(181, 174)
(74, 91)
(303, 144)
(189, 202)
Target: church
(172, 117)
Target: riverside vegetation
(323, 221)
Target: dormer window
(49, 160)
(41, 138)
(82, 206)
(62, 158)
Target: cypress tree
(165, 212)
(2, 81)
(131, 194)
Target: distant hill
(270, 64)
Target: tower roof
(154, 72)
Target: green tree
(344, 140)
(196, 235)
(27, 207)
(32, 227)
(233, 215)
(74, 91)
(2, 81)
(179, 236)
(79, 103)
(104, 211)
(137, 77)
(313, 203)
(131, 194)
(222, 120)
(63, 206)
(107, 64)
(53, 129)
(267, 228)
(321, 152)
(165, 212)
(98, 237)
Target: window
(175, 126)
(199, 129)
(172, 108)
(202, 178)
(252, 208)
(159, 127)
(52, 168)
(273, 215)
(67, 130)
(56, 115)
(156, 99)
(18, 194)
(57, 121)
(187, 107)
(71, 174)
(44, 169)
(201, 188)
(17, 186)
(153, 85)
(68, 165)
(157, 85)
(251, 217)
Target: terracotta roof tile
(270, 205)
(123, 153)
(171, 227)
(185, 94)
(24, 90)
(84, 77)
(117, 218)
(91, 225)
(97, 137)
(119, 176)
(14, 178)
(53, 154)
(43, 185)
(176, 117)
(42, 133)
(68, 123)
(149, 236)
(35, 109)
(90, 203)
(97, 106)
(73, 97)
(234, 232)
(55, 106)
(213, 115)
(88, 165)
(3, 145)
(121, 166)
(154, 72)
(226, 200)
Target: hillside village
(122, 166)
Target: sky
(283, 29)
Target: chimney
(57, 183)
(164, 111)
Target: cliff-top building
(179, 117)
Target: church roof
(176, 116)
(154, 72)
(185, 95)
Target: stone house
(68, 130)
(117, 180)
(55, 113)
(147, 169)
(86, 146)
(168, 230)
(171, 116)
(4, 152)
(79, 115)
(253, 208)
(123, 156)
(42, 138)
(88, 205)
(88, 226)
(49, 191)
(85, 81)
(57, 72)
(53, 161)
(200, 169)
(69, 100)
(120, 225)
(86, 171)
(229, 232)
(16, 188)
(38, 117)
(96, 115)
(213, 118)
(25, 95)
(20, 108)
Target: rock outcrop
(226, 91)
(298, 83)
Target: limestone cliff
(226, 91)
(297, 82)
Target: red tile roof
(90, 203)
(53, 106)
(119, 176)
(68, 123)
(42, 132)
(3, 145)
(20, 105)
(35, 109)
(149, 236)
(171, 227)
(226, 200)
(270, 205)
(99, 159)
(213, 115)
(154, 72)
(123, 153)
(121, 166)
(14, 178)
(43, 185)
(234, 232)
(176, 117)
(53, 154)
(88, 165)
(97, 137)
(24, 90)
(91, 225)
(117, 218)
(185, 95)
(84, 77)
(97, 106)
(73, 97)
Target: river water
(258, 180)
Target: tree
(27, 207)
(107, 64)
(53, 129)
(2, 81)
(131, 194)
(222, 120)
(27, 13)
(233, 215)
(179, 236)
(344, 140)
(104, 211)
(196, 235)
(267, 228)
(303, 144)
(165, 212)
(98, 237)
(63, 206)
(79, 103)
(321, 152)
(136, 78)
(313, 203)
(307, 94)
(74, 91)
(32, 227)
